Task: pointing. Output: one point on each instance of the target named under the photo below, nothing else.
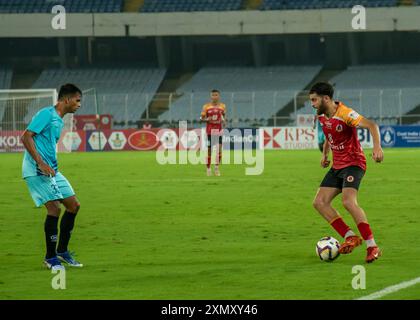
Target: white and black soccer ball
(327, 248)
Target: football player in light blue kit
(321, 136)
(46, 184)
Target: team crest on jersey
(354, 115)
(350, 179)
(339, 128)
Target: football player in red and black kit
(213, 114)
(339, 124)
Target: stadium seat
(323, 4)
(125, 93)
(43, 6)
(269, 89)
(188, 5)
(377, 91)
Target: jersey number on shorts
(55, 189)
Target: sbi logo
(388, 136)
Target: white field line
(391, 289)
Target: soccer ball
(327, 248)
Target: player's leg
(72, 207)
(330, 187)
(321, 146)
(209, 147)
(51, 234)
(219, 157)
(359, 216)
(352, 177)
(51, 227)
(44, 191)
(322, 203)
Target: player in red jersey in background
(339, 124)
(213, 114)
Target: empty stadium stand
(122, 92)
(378, 91)
(250, 93)
(5, 78)
(323, 4)
(190, 5)
(44, 6)
(5, 83)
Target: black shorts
(349, 177)
(216, 138)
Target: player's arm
(377, 154)
(224, 119)
(203, 116)
(28, 142)
(325, 152)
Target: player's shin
(66, 227)
(341, 227)
(208, 158)
(366, 233)
(51, 230)
(219, 155)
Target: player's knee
(54, 211)
(319, 203)
(349, 204)
(74, 208)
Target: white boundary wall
(209, 23)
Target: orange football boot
(373, 253)
(349, 244)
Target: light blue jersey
(47, 126)
(321, 136)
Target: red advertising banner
(92, 122)
(10, 141)
(69, 141)
(143, 139)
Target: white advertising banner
(284, 138)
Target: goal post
(17, 107)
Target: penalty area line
(391, 289)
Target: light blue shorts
(44, 188)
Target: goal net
(17, 107)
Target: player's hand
(325, 162)
(378, 154)
(46, 169)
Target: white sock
(371, 243)
(348, 234)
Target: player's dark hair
(215, 90)
(322, 89)
(68, 90)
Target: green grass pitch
(147, 231)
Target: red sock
(340, 226)
(365, 231)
